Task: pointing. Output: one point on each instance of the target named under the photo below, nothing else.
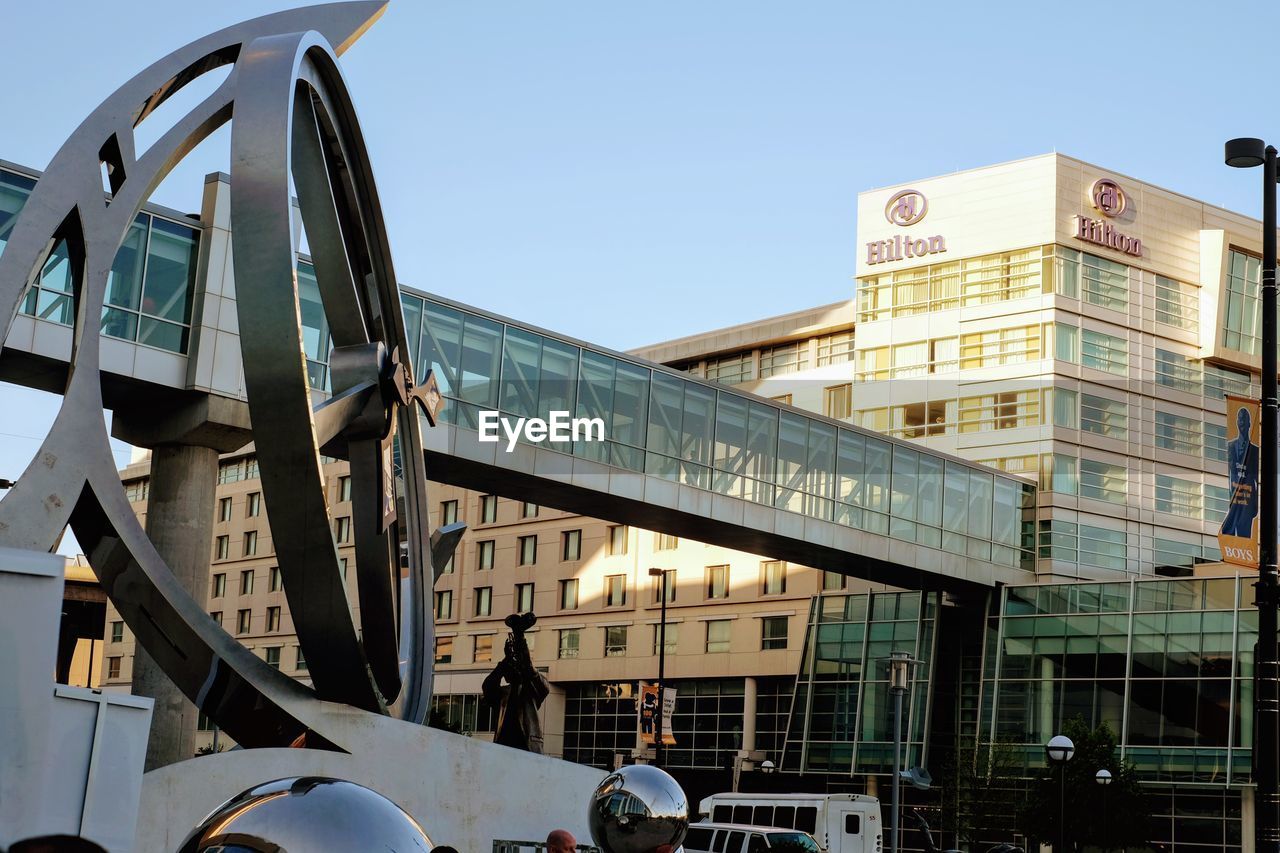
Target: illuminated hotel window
(1242, 319)
(731, 369)
(615, 590)
(570, 641)
(717, 582)
(910, 359)
(1179, 434)
(1177, 304)
(833, 581)
(488, 509)
(1000, 346)
(1027, 466)
(835, 349)
(444, 649)
(1065, 404)
(939, 287)
(718, 635)
(1104, 352)
(668, 577)
(1096, 280)
(1104, 417)
(570, 545)
(784, 358)
(528, 550)
(773, 577)
(615, 641)
(484, 600)
(1103, 481)
(444, 604)
(483, 648)
(524, 598)
(916, 420)
(665, 542)
(484, 554)
(784, 399)
(1007, 410)
(837, 401)
(1178, 497)
(569, 594)
(873, 364)
(1066, 342)
(448, 512)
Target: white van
(737, 838)
(840, 823)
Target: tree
(1107, 817)
(979, 794)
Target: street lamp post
(899, 674)
(1103, 778)
(662, 665)
(1246, 153)
(1059, 750)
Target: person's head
(561, 841)
(1243, 422)
(444, 850)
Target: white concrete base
(464, 792)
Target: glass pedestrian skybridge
(694, 458)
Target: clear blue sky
(632, 172)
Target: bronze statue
(525, 690)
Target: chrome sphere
(308, 813)
(638, 809)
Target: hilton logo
(906, 207)
(1108, 198)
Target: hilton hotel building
(1047, 317)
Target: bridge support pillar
(185, 444)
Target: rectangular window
(117, 632)
(343, 529)
(273, 619)
(484, 554)
(837, 401)
(773, 577)
(1066, 343)
(1065, 405)
(1242, 320)
(251, 543)
(665, 542)
(216, 616)
(717, 582)
(569, 594)
(785, 358)
(524, 598)
(773, 633)
(299, 662)
(1104, 417)
(1064, 474)
(488, 509)
(618, 539)
(1104, 352)
(835, 348)
(731, 369)
(570, 639)
(833, 581)
(528, 510)
(277, 581)
(1105, 549)
(219, 585)
(344, 488)
(672, 635)
(1178, 371)
(113, 667)
(570, 545)
(134, 490)
(667, 577)
(444, 604)
(1005, 410)
(253, 505)
(444, 649)
(484, 600)
(224, 509)
(615, 641)
(448, 512)
(246, 582)
(221, 547)
(1001, 346)
(1177, 304)
(272, 656)
(1178, 497)
(1104, 283)
(528, 550)
(1215, 442)
(448, 566)
(718, 635)
(1102, 481)
(243, 622)
(615, 590)
(484, 648)
(1179, 434)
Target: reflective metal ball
(308, 813)
(638, 809)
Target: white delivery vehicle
(736, 838)
(840, 823)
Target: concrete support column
(748, 715)
(180, 524)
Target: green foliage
(978, 795)
(1106, 817)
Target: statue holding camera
(517, 689)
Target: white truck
(840, 823)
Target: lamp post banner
(647, 708)
(1238, 536)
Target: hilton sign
(905, 208)
(1109, 200)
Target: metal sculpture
(293, 118)
(638, 809)
(525, 690)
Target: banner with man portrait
(1238, 536)
(647, 706)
